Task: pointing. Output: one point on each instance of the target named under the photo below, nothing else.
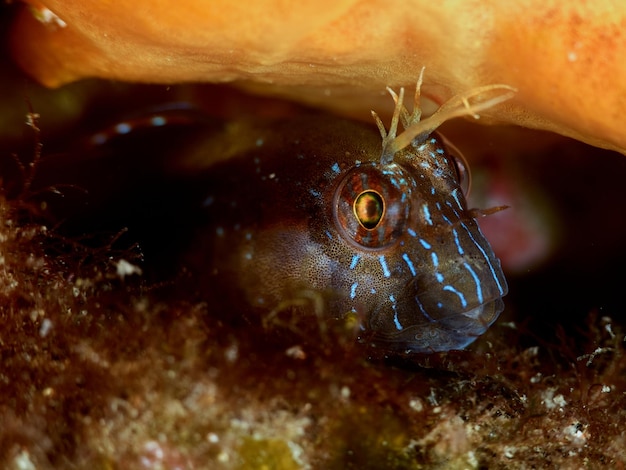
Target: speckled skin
(274, 233)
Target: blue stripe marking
(455, 195)
(396, 320)
(411, 232)
(426, 211)
(355, 260)
(459, 294)
(409, 263)
(439, 277)
(454, 211)
(383, 264)
(158, 121)
(435, 259)
(480, 248)
(399, 326)
(459, 248)
(335, 167)
(425, 244)
(123, 128)
(424, 312)
(479, 290)
(353, 290)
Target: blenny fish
(314, 214)
(318, 216)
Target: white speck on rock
(22, 461)
(416, 404)
(575, 433)
(124, 268)
(46, 326)
(552, 401)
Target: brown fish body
(310, 216)
(305, 206)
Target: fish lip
(454, 332)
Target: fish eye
(369, 208)
(460, 165)
(371, 205)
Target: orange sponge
(565, 58)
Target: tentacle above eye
(414, 116)
(415, 128)
(390, 137)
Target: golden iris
(369, 208)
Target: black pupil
(368, 208)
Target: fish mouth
(428, 335)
